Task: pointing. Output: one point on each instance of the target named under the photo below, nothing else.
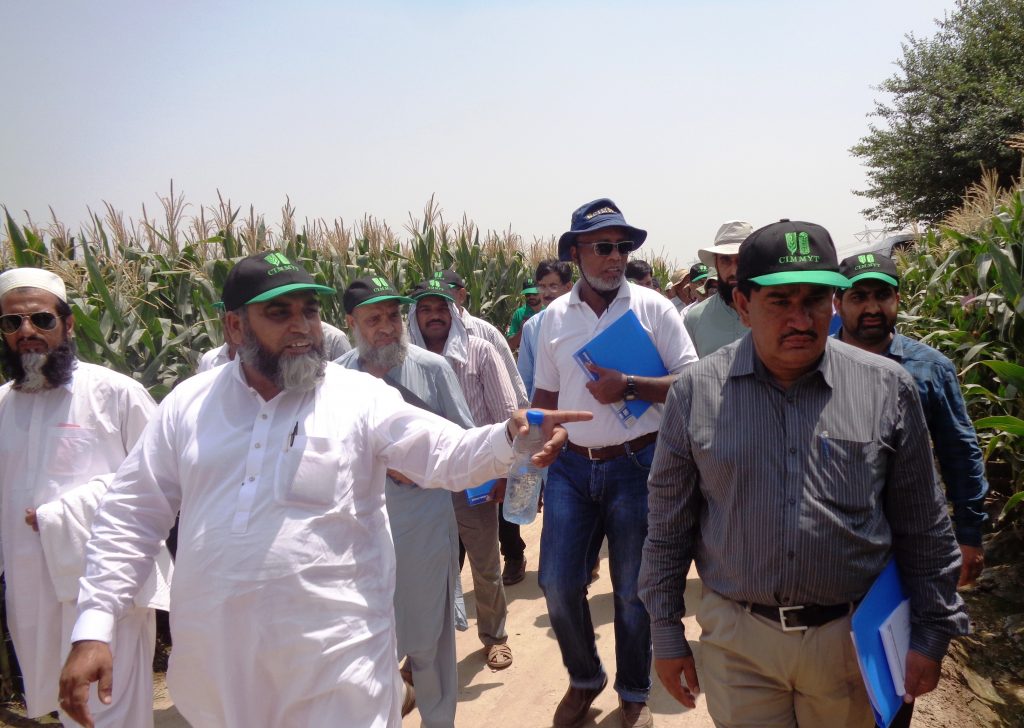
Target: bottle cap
(534, 417)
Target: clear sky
(686, 113)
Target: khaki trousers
(478, 529)
(756, 675)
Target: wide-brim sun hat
(727, 241)
(596, 215)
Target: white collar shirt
(52, 444)
(570, 323)
(284, 547)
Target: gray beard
(34, 379)
(292, 373)
(599, 285)
(382, 357)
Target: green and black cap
(698, 272)
(370, 289)
(264, 276)
(529, 287)
(453, 279)
(870, 265)
(788, 252)
(432, 287)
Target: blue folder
(626, 347)
(882, 599)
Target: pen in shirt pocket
(291, 437)
(826, 449)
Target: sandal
(499, 656)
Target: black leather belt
(614, 451)
(799, 618)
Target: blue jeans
(584, 499)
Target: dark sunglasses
(42, 320)
(604, 248)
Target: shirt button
(790, 555)
(785, 600)
(790, 399)
(257, 446)
(792, 502)
(252, 478)
(263, 417)
(792, 451)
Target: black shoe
(575, 705)
(514, 571)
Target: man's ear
(574, 253)
(742, 306)
(69, 325)
(350, 321)
(233, 328)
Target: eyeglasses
(605, 248)
(553, 288)
(42, 320)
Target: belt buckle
(590, 452)
(782, 619)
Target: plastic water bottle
(525, 478)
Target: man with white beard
(283, 595)
(65, 426)
(422, 520)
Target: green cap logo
(434, 283)
(798, 243)
(438, 274)
(277, 259)
(867, 258)
(382, 282)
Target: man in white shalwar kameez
(422, 520)
(65, 427)
(282, 599)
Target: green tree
(955, 100)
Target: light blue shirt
(528, 351)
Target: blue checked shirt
(953, 437)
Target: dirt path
(525, 695)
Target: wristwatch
(630, 394)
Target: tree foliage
(955, 100)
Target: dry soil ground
(525, 695)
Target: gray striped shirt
(485, 383)
(486, 331)
(797, 496)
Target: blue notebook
(626, 347)
(883, 598)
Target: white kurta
(285, 568)
(56, 446)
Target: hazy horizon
(686, 114)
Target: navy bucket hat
(602, 213)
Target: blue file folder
(626, 347)
(882, 599)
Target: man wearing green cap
(792, 467)
(434, 324)
(868, 310)
(522, 314)
(282, 603)
(422, 520)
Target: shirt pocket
(853, 473)
(310, 473)
(69, 451)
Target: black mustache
(810, 333)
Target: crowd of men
(322, 527)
